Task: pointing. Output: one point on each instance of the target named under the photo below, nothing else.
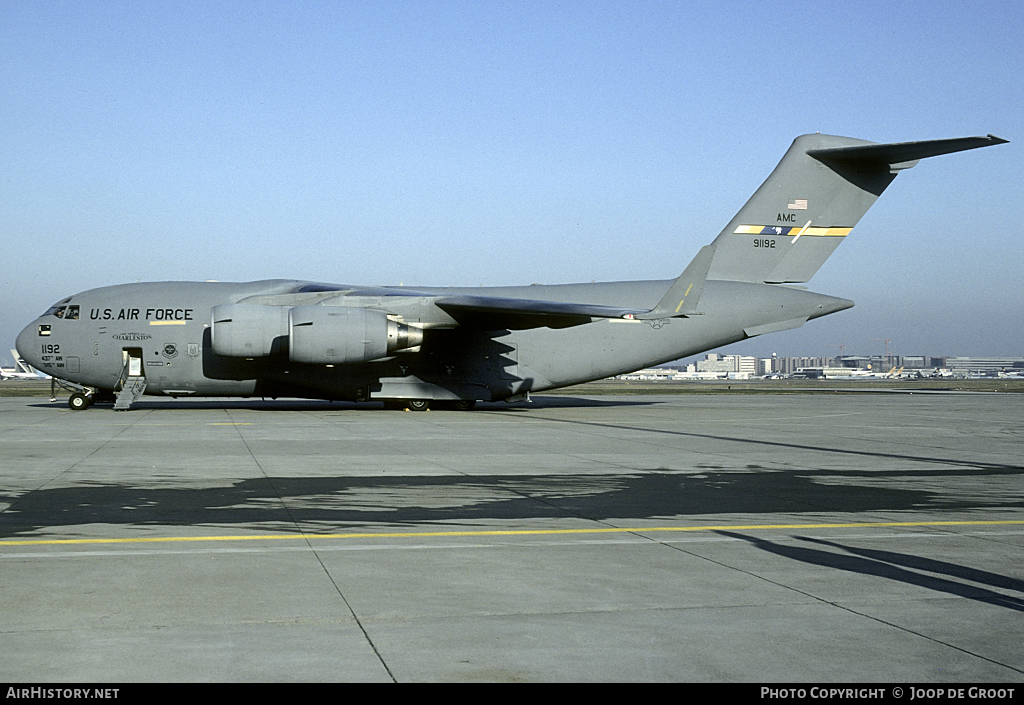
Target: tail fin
(817, 193)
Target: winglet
(682, 297)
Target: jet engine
(339, 335)
(314, 334)
(248, 330)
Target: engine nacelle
(248, 330)
(335, 335)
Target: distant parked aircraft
(21, 369)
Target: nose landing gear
(79, 401)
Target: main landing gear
(427, 404)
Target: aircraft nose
(26, 345)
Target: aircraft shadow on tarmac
(312, 505)
(327, 504)
(902, 567)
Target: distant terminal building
(734, 366)
(983, 365)
(717, 366)
(786, 366)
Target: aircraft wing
(496, 313)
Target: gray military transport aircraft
(451, 347)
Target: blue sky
(458, 143)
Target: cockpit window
(70, 313)
(59, 309)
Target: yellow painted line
(168, 323)
(506, 532)
(681, 301)
(788, 230)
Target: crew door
(132, 358)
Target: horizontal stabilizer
(903, 154)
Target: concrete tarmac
(806, 538)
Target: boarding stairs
(131, 390)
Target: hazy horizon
(465, 144)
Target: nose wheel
(79, 401)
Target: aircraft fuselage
(167, 329)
